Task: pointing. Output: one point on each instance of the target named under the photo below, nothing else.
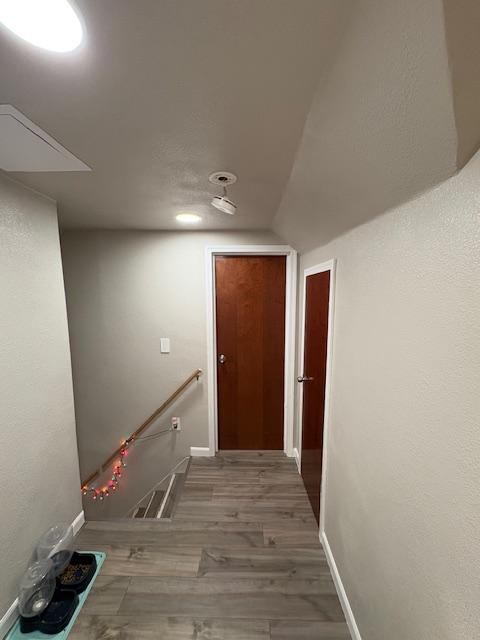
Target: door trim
(290, 307)
(330, 265)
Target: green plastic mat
(16, 634)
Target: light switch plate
(164, 345)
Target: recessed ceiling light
(49, 24)
(188, 218)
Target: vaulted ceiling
(397, 112)
(163, 93)
(329, 111)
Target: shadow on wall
(462, 25)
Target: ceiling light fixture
(188, 218)
(223, 202)
(49, 24)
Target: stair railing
(131, 512)
(150, 420)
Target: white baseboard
(8, 620)
(296, 455)
(198, 452)
(78, 523)
(342, 594)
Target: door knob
(304, 379)
(222, 358)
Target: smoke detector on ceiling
(223, 203)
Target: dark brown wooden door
(250, 323)
(314, 371)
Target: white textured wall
(403, 505)
(39, 481)
(381, 128)
(126, 290)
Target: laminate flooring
(240, 560)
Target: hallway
(240, 560)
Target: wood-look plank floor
(240, 560)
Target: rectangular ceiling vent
(25, 147)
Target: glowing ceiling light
(188, 218)
(49, 24)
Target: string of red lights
(97, 493)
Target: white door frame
(319, 268)
(290, 304)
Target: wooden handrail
(195, 375)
